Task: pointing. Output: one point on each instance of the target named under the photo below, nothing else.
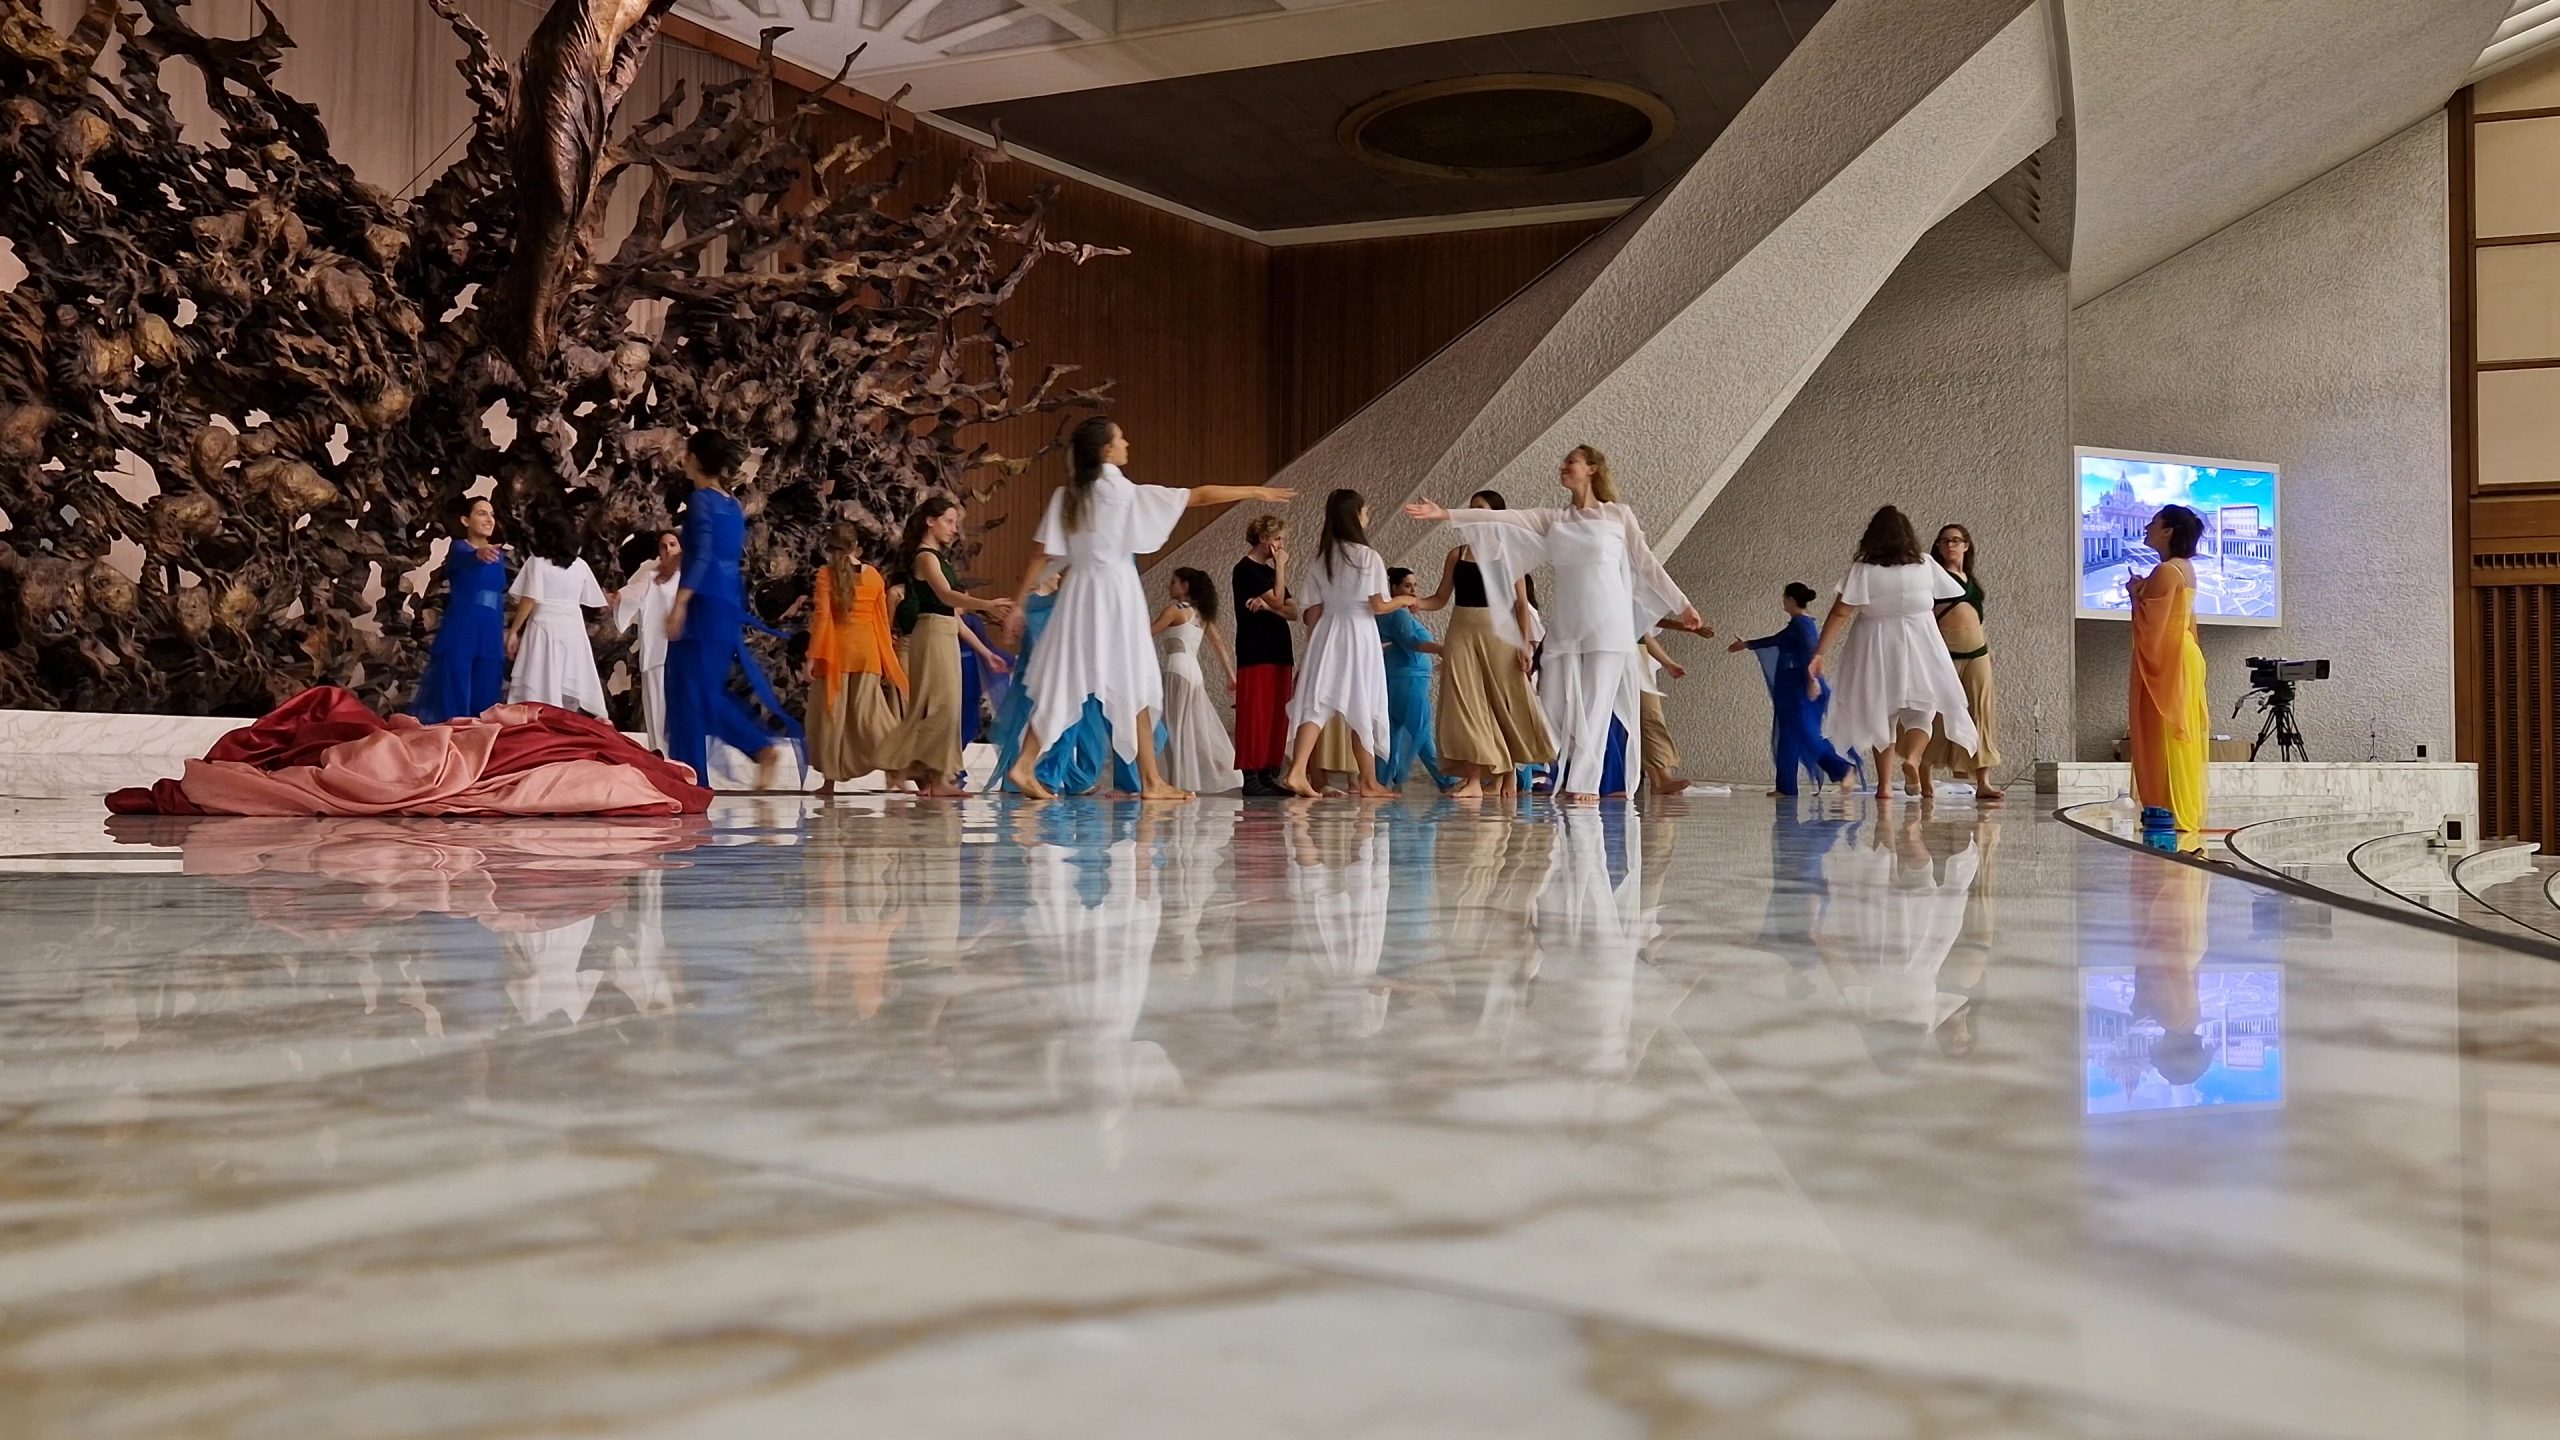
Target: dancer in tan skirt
(1960, 624)
(856, 685)
(1488, 723)
(925, 746)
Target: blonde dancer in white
(647, 594)
(1199, 754)
(1609, 590)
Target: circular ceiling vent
(1497, 127)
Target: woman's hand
(1428, 511)
(1690, 621)
(996, 663)
(1675, 669)
(1528, 661)
(1737, 647)
(486, 552)
(1813, 678)
(1274, 494)
(675, 618)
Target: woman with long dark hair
(467, 666)
(925, 746)
(1198, 755)
(555, 662)
(2171, 729)
(1488, 723)
(1345, 674)
(1896, 680)
(1960, 625)
(856, 684)
(1609, 590)
(1096, 647)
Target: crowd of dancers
(1332, 670)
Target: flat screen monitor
(2239, 580)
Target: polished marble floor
(902, 1120)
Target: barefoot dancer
(925, 747)
(1609, 590)
(1895, 674)
(706, 627)
(1346, 672)
(1097, 647)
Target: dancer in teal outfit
(1410, 651)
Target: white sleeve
(1154, 511)
(1505, 552)
(1375, 573)
(633, 595)
(1656, 593)
(590, 594)
(522, 588)
(1052, 536)
(1854, 589)
(1943, 586)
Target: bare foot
(826, 789)
(1297, 785)
(1470, 790)
(768, 767)
(1026, 784)
(940, 788)
(1165, 792)
(1379, 792)
(1579, 797)
(1984, 794)
(1671, 786)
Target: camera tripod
(2277, 701)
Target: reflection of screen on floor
(2237, 571)
(2172, 1039)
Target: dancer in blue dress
(1073, 765)
(706, 629)
(467, 666)
(1409, 651)
(1796, 707)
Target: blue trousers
(1409, 732)
(700, 708)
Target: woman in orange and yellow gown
(2170, 729)
(856, 685)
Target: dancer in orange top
(856, 685)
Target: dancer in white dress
(1344, 673)
(555, 664)
(647, 594)
(1609, 590)
(1895, 678)
(1096, 647)
(1198, 755)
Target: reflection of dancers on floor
(1094, 913)
(1338, 888)
(1898, 910)
(1609, 589)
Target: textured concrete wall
(2314, 334)
(2193, 113)
(1947, 397)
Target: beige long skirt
(1336, 751)
(928, 735)
(1983, 700)
(1487, 713)
(1659, 752)
(848, 727)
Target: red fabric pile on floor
(323, 753)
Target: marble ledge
(2426, 791)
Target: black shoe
(1258, 786)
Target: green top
(920, 600)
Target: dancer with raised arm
(1796, 707)
(1096, 647)
(1412, 655)
(707, 625)
(1896, 679)
(652, 565)
(555, 662)
(925, 746)
(467, 666)
(1609, 591)
(1345, 675)
(1488, 723)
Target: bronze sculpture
(306, 364)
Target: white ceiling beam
(895, 21)
(951, 40)
(1066, 17)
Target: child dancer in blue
(1409, 648)
(1796, 710)
(706, 629)
(467, 668)
(1071, 766)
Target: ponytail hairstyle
(1604, 487)
(1199, 592)
(1085, 446)
(912, 539)
(1342, 527)
(844, 561)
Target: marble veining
(1247, 1118)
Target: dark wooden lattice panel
(2520, 710)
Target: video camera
(2270, 674)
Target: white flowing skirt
(1344, 672)
(1096, 646)
(1199, 756)
(556, 666)
(1894, 673)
